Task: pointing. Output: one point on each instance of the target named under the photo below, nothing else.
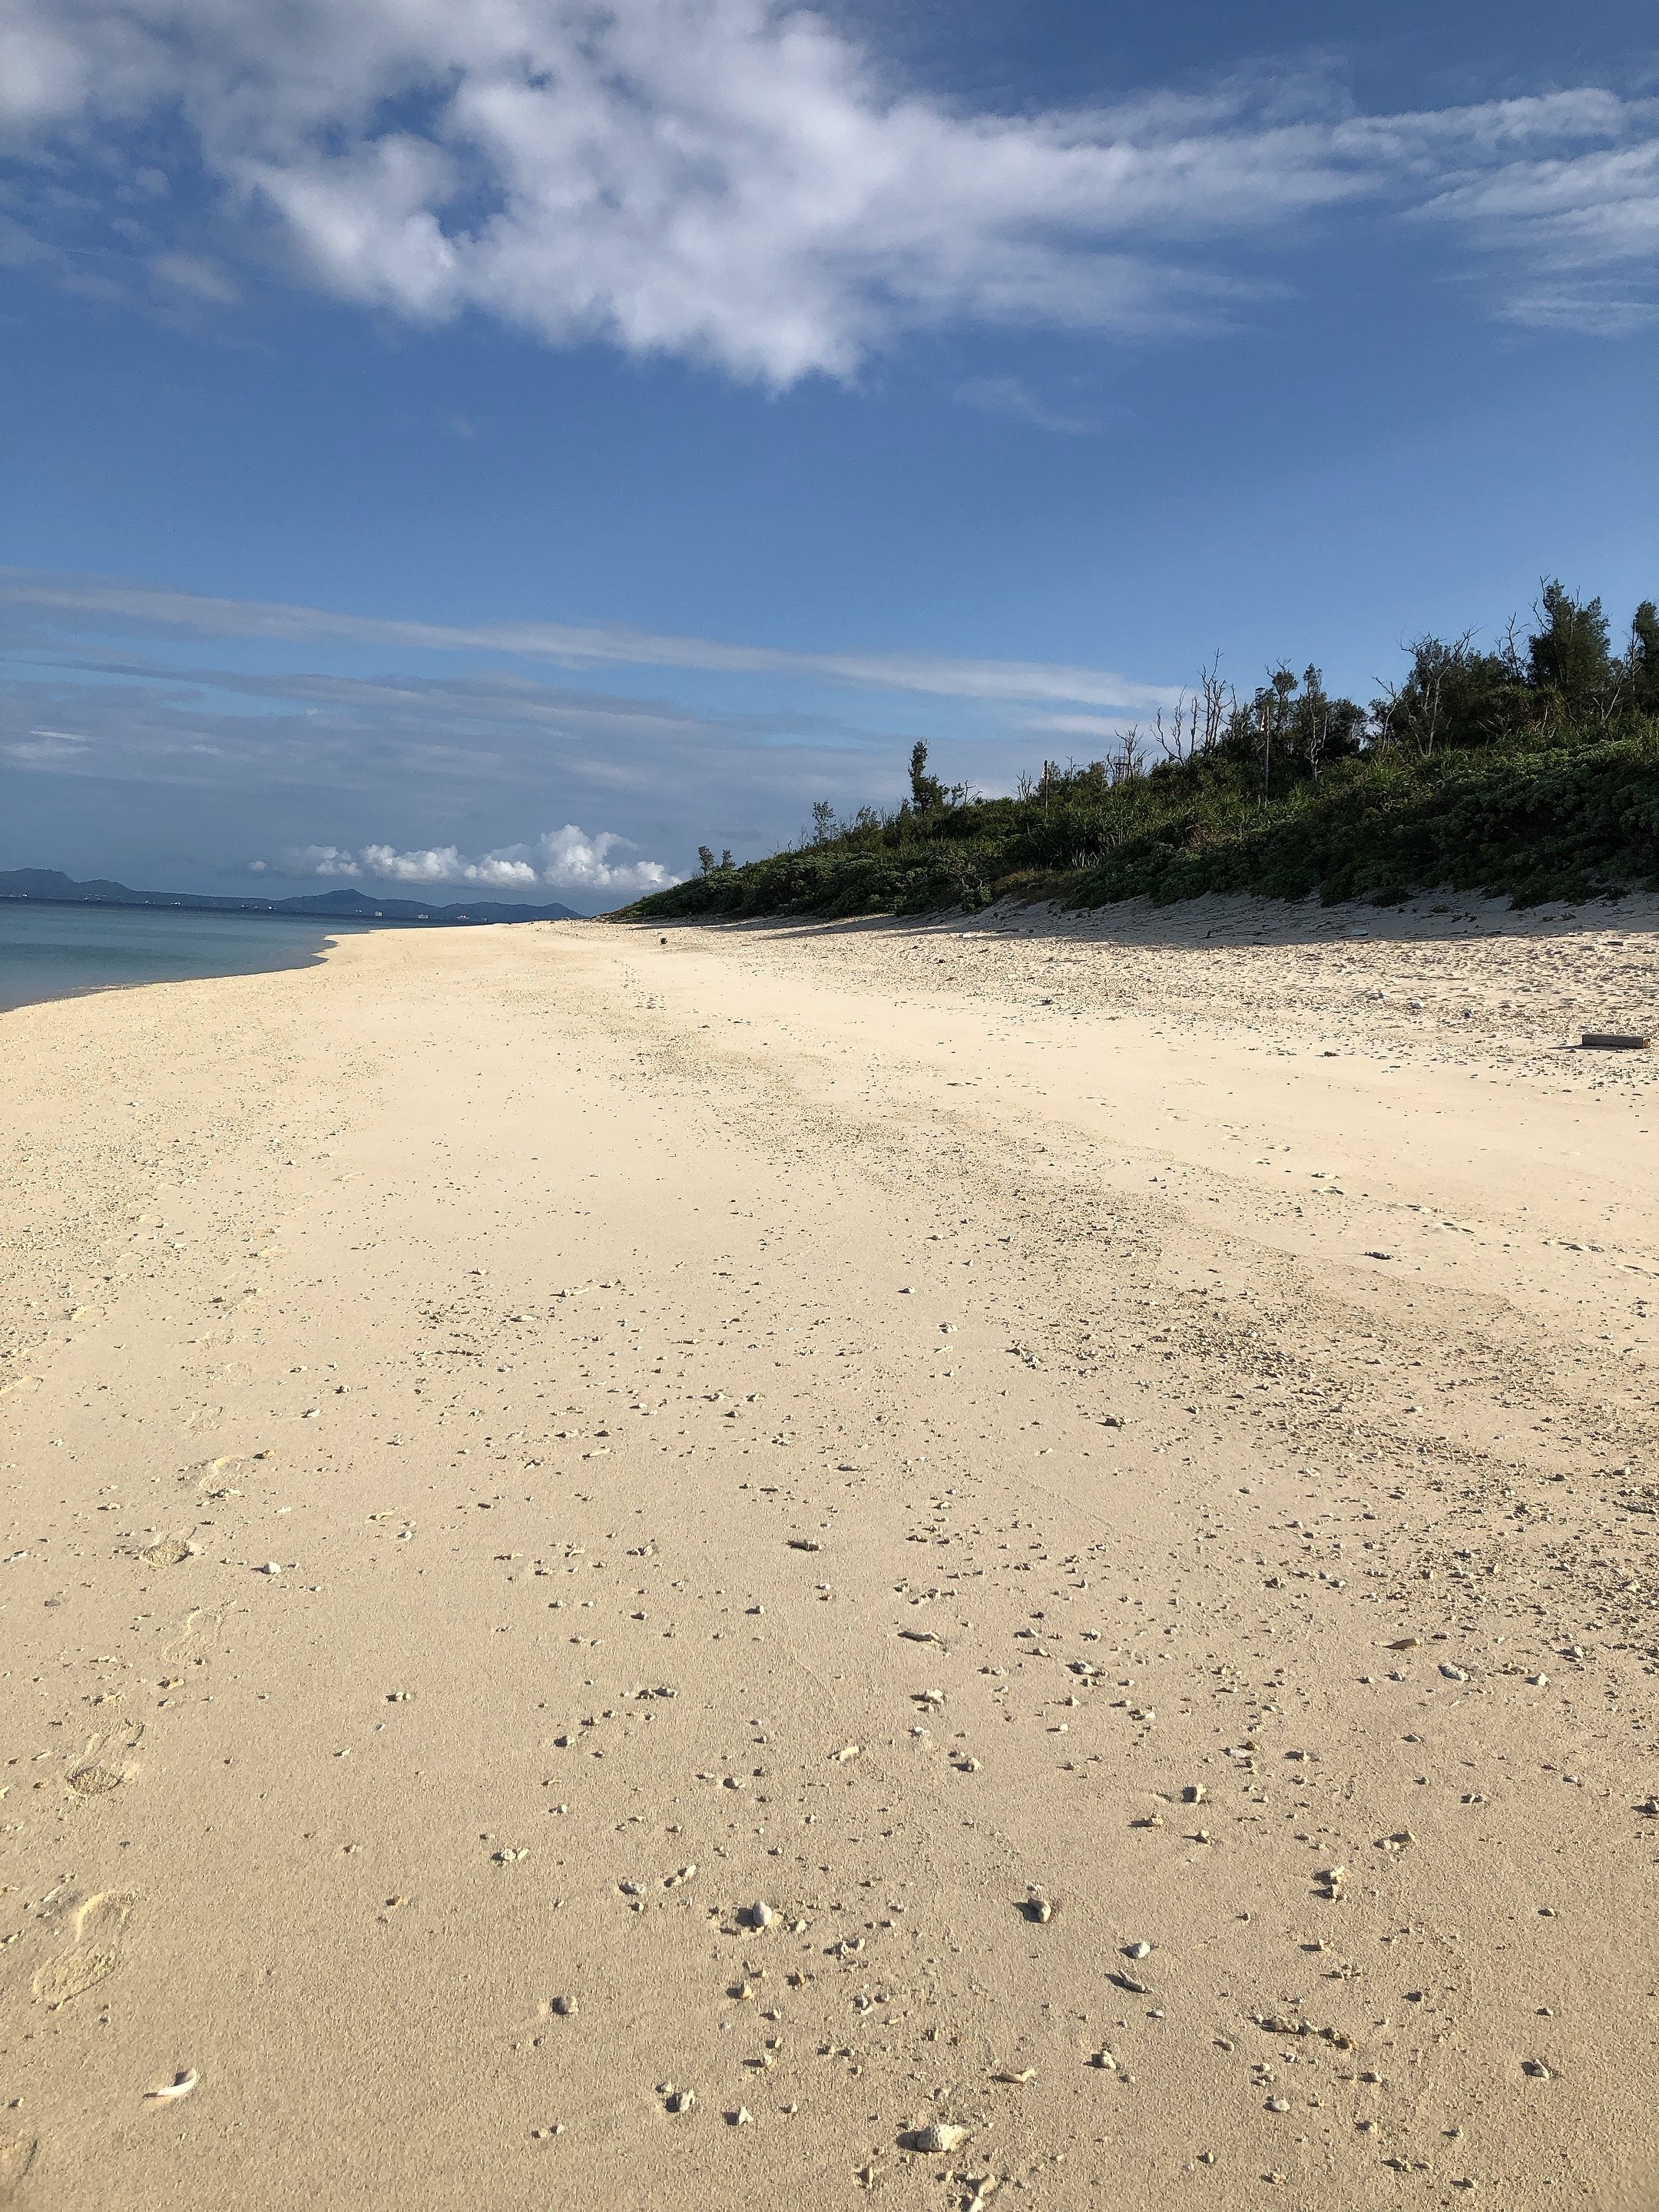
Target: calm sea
(60, 951)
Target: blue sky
(514, 445)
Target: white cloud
(444, 864)
(46, 749)
(572, 861)
(560, 859)
(735, 182)
(323, 860)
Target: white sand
(877, 1415)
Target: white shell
(180, 2085)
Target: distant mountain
(51, 886)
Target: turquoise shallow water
(60, 951)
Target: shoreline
(892, 1423)
(160, 950)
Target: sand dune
(938, 1564)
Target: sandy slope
(906, 1426)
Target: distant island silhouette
(52, 887)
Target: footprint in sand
(222, 1476)
(95, 1781)
(100, 1769)
(92, 1957)
(169, 1551)
(16, 2156)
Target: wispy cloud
(737, 182)
(1075, 726)
(129, 609)
(420, 776)
(1009, 395)
(46, 749)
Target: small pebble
(1137, 1950)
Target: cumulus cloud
(737, 181)
(567, 860)
(320, 860)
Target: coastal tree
(926, 792)
(1568, 655)
(1644, 658)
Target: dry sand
(906, 1434)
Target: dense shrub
(1532, 771)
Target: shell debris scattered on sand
(1053, 1617)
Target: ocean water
(60, 951)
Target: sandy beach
(981, 1562)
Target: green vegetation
(1531, 770)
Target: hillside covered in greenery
(1531, 770)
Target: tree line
(1565, 675)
